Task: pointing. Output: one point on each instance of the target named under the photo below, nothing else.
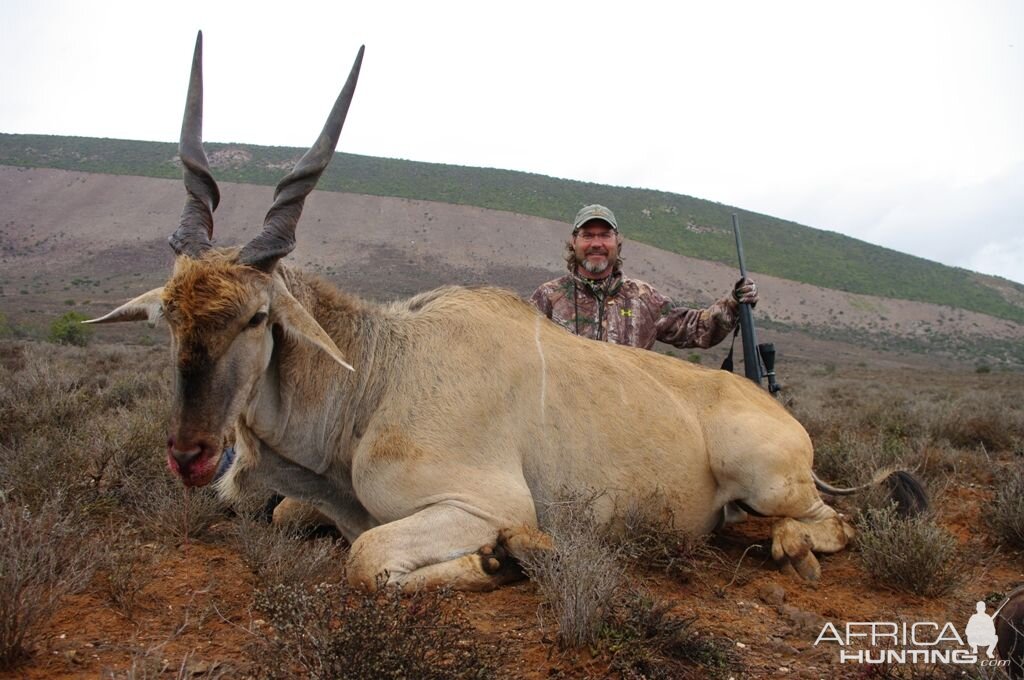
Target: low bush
(41, 396)
(280, 555)
(151, 663)
(854, 459)
(45, 556)
(126, 449)
(987, 419)
(1006, 513)
(331, 631)
(124, 573)
(583, 585)
(171, 512)
(988, 430)
(581, 575)
(843, 460)
(913, 554)
(647, 641)
(892, 416)
(68, 329)
(648, 537)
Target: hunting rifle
(758, 360)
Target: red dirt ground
(195, 612)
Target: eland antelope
(427, 428)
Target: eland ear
(147, 307)
(296, 322)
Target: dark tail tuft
(908, 493)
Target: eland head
(224, 306)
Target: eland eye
(257, 319)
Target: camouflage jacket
(631, 312)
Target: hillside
(679, 224)
(86, 242)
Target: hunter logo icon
(981, 631)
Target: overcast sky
(897, 122)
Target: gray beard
(595, 267)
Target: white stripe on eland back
(543, 369)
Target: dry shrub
(171, 512)
(1006, 513)
(853, 459)
(45, 556)
(125, 391)
(152, 663)
(125, 568)
(981, 419)
(828, 408)
(332, 631)
(126, 445)
(124, 580)
(833, 461)
(281, 555)
(861, 424)
(893, 415)
(857, 432)
(647, 536)
(581, 575)
(43, 394)
(913, 554)
(40, 468)
(940, 465)
(83, 434)
(647, 641)
(988, 430)
(41, 455)
(61, 436)
(584, 587)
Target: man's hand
(745, 292)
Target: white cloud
(898, 123)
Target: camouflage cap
(594, 212)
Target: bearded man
(595, 300)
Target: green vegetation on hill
(681, 224)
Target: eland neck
(307, 408)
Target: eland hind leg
(775, 480)
(805, 525)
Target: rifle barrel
(751, 365)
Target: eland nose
(182, 453)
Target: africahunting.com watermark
(891, 642)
